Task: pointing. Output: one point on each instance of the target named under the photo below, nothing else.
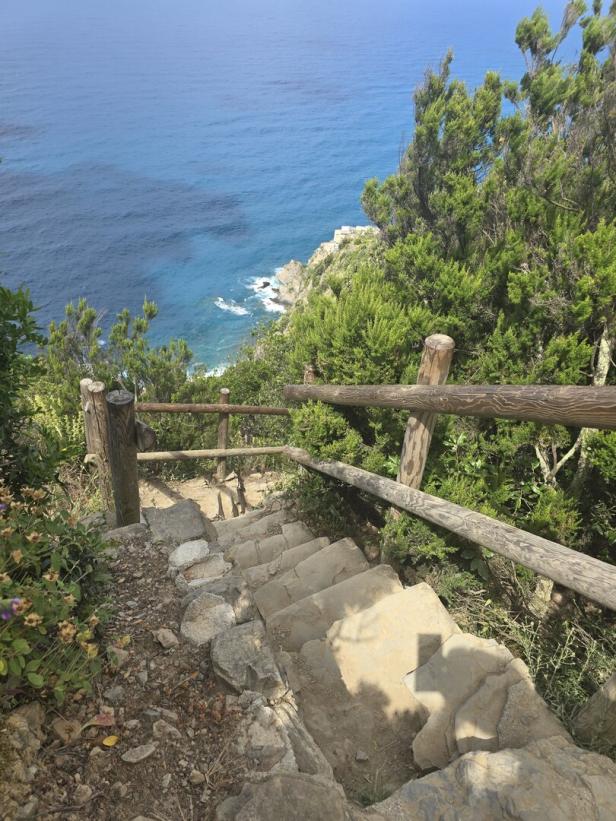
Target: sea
(184, 150)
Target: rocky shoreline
(292, 283)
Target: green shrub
(50, 572)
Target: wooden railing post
(96, 425)
(223, 435)
(433, 370)
(123, 453)
(310, 374)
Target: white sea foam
(231, 307)
(266, 291)
(273, 307)
(218, 370)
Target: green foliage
(49, 574)
(326, 432)
(22, 459)
(405, 537)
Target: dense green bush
(49, 577)
(49, 566)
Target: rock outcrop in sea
(295, 279)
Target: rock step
(254, 525)
(259, 551)
(377, 647)
(548, 779)
(261, 574)
(311, 617)
(476, 697)
(331, 565)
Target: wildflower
(91, 650)
(33, 620)
(33, 537)
(7, 532)
(72, 520)
(84, 635)
(51, 576)
(93, 620)
(66, 631)
(17, 556)
(69, 599)
(38, 494)
(20, 606)
(4, 578)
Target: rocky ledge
(293, 281)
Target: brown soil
(205, 492)
(179, 680)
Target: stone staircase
(353, 687)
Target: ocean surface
(184, 149)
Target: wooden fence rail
(212, 453)
(572, 405)
(113, 437)
(592, 578)
(173, 407)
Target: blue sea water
(179, 149)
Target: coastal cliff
(296, 279)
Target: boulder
(549, 780)
(596, 721)
(506, 711)
(261, 739)
(288, 797)
(187, 554)
(443, 684)
(204, 571)
(205, 618)
(242, 658)
(233, 590)
(181, 522)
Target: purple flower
(6, 615)
(3, 506)
(15, 604)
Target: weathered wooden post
(123, 453)
(96, 425)
(223, 435)
(433, 370)
(310, 374)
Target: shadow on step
(386, 703)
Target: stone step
(328, 567)
(228, 528)
(311, 618)
(377, 647)
(476, 697)
(251, 527)
(350, 687)
(549, 779)
(261, 574)
(261, 550)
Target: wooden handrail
(179, 407)
(592, 578)
(212, 453)
(572, 405)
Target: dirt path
(163, 698)
(159, 493)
